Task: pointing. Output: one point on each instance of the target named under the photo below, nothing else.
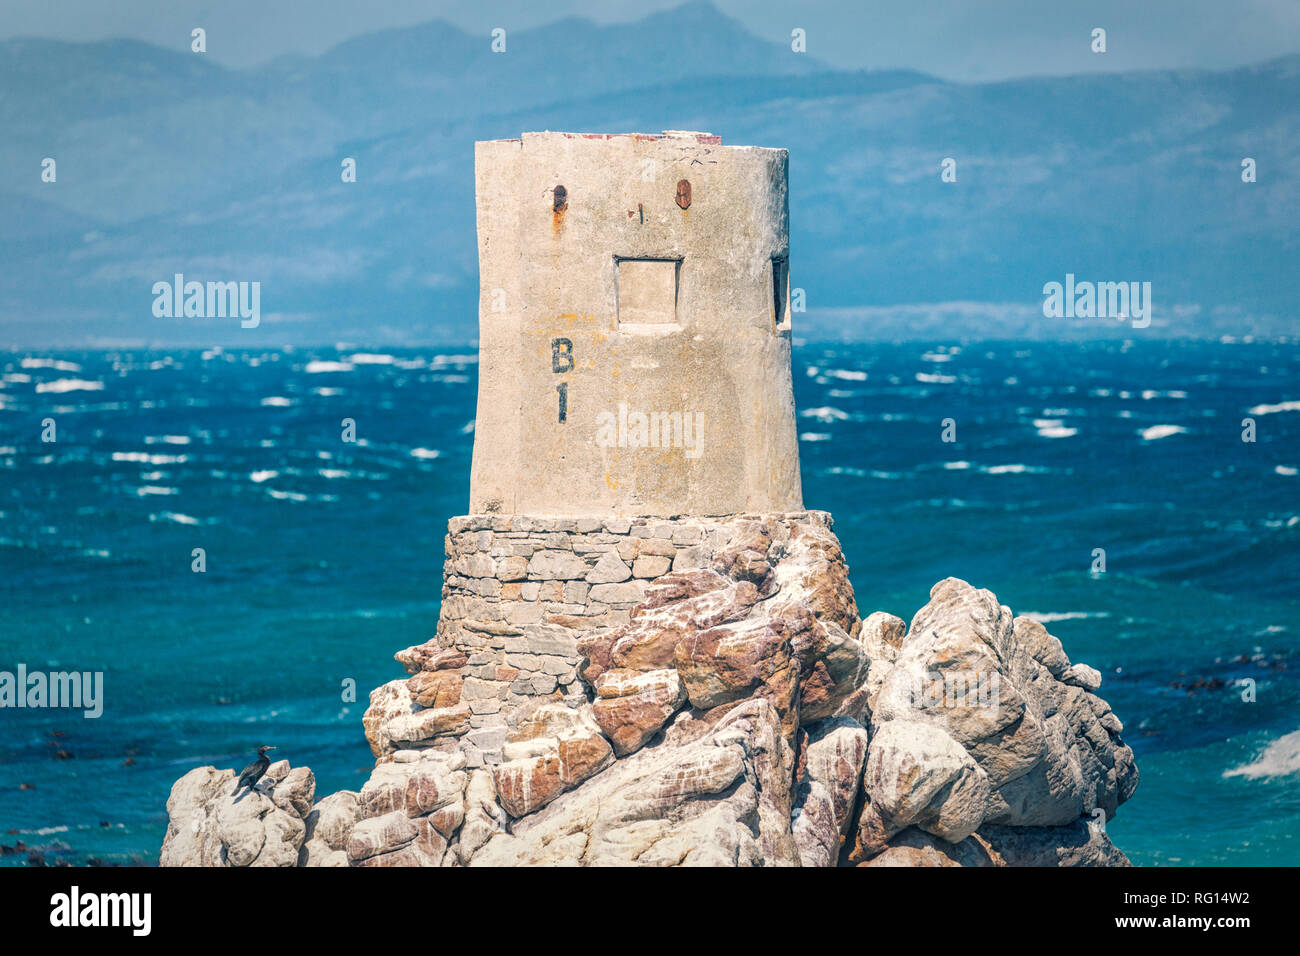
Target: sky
(968, 40)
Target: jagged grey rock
(209, 826)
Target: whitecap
(847, 375)
(371, 358)
(167, 439)
(261, 476)
(1280, 758)
(1013, 469)
(814, 436)
(1287, 470)
(278, 401)
(1047, 617)
(155, 490)
(936, 357)
(313, 368)
(148, 459)
(935, 379)
(69, 385)
(56, 364)
(1057, 431)
(1156, 432)
(825, 414)
(425, 453)
(286, 495)
(956, 465)
(1273, 409)
(173, 516)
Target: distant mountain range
(167, 162)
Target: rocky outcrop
(697, 692)
(208, 825)
(980, 718)
(715, 793)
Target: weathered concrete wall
(519, 592)
(574, 347)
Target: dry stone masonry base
(520, 592)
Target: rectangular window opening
(646, 292)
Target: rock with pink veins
(396, 721)
(827, 784)
(632, 706)
(552, 749)
(711, 793)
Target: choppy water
(324, 557)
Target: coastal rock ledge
(695, 691)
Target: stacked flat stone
(519, 592)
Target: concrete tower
(634, 327)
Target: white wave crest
(1279, 759)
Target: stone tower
(634, 327)
(647, 652)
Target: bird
(253, 772)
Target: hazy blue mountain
(169, 163)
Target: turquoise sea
(323, 558)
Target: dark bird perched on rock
(253, 772)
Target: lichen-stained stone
(484, 818)
(719, 798)
(1074, 844)
(552, 749)
(632, 706)
(828, 778)
(430, 657)
(435, 688)
(292, 790)
(732, 661)
(649, 640)
(671, 588)
(382, 834)
(394, 720)
(881, 637)
(815, 572)
(832, 665)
